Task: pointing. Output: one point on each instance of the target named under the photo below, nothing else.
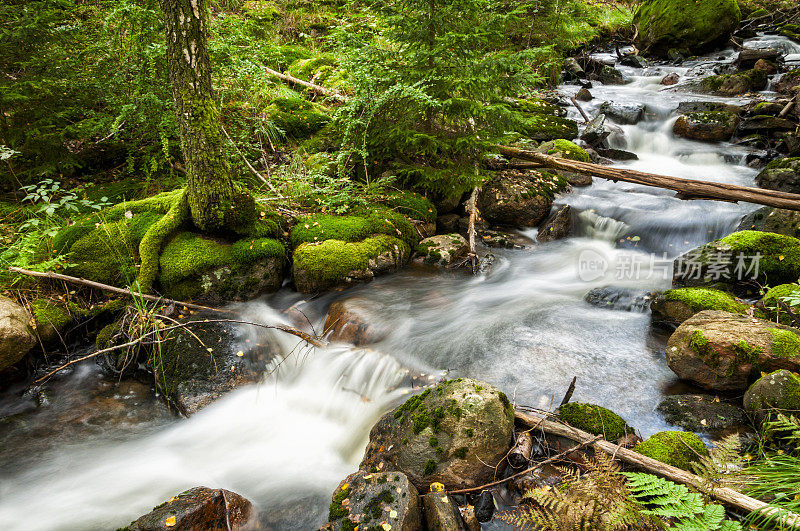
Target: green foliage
(722, 462)
(429, 91)
(677, 448)
(668, 500)
(363, 223)
(699, 299)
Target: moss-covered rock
(361, 224)
(330, 263)
(564, 149)
(789, 83)
(776, 392)
(777, 220)
(707, 126)
(696, 27)
(782, 175)
(369, 500)
(773, 306)
(454, 433)
(538, 106)
(321, 69)
(674, 306)
(442, 250)
(732, 261)
(676, 448)
(52, 318)
(736, 84)
(543, 127)
(297, 117)
(725, 352)
(411, 205)
(594, 419)
(196, 266)
(519, 199)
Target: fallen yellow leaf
(170, 522)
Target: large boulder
(454, 434)
(739, 259)
(200, 508)
(707, 126)
(748, 57)
(518, 199)
(16, 339)
(723, 351)
(777, 220)
(676, 448)
(789, 83)
(736, 84)
(782, 175)
(777, 392)
(674, 306)
(624, 113)
(442, 250)
(702, 413)
(557, 226)
(677, 24)
(348, 321)
(375, 500)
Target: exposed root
(153, 240)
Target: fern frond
(722, 462)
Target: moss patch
(361, 224)
(546, 127)
(594, 419)
(297, 117)
(780, 255)
(785, 343)
(565, 149)
(699, 299)
(677, 448)
(337, 510)
(412, 205)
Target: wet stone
(703, 413)
(200, 508)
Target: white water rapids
(523, 326)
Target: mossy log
(727, 496)
(686, 188)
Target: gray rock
(557, 226)
(686, 107)
(512, 198)
(611, 76)
(633, 60)
(777, 392)
(748, 57)
(769, 219)
(200, 508)
(782, 175)
(617, 154)
(442, 250)
(624, 113)
(702, 413)
(16, 339)
(595, 131)
(441, 512)
(707, 126)
(766, 123)
(453, 434)
(617, 298)
(584, 95)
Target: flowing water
(523, 326)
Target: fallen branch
(570, 390)
(686, 188)
(788, 106)
(726, 495)
(113, 289)
(580, 109)
(531, 469)
(473, 214)
(317, 89)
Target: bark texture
(212, 195)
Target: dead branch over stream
(726, 495)
(686, 188)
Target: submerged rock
(674, 306)
(782, 175)
(676, 448)
(442, 250)
(454, 433)
(701, 27)
(348, 321)
(707, 126)
(777, 392)
(200, 508)
(618, 298)
(624, 113)
(725, 351)
(375, 500)
(702, 413)
(16, 339)
(518, 199)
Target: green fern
(785, 428)
(669, 500)
(722, 464)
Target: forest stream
(522, 324)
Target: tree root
(153, 240)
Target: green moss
(676, 448)
(780, 255)
(699, 299)
(103, 339)
(461, 453)
(336, 510)
(544, 127)
(665, 24)
(107, 254)
(538, 106)
(568, 150)
(374, 508)
(433, 441)
(297, 117)
(429, 468)
(469, 432)
(325, 264)
(785, 343)
(744, 353)
(363, 223)
(784, 163)
(411, 204)
(47, 312)
(594, 419)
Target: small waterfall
(597, 227)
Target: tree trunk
(211, 193)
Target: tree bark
(212, 195)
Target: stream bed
(88, 454)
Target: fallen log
(686, 188)
(520, 455)
(725, 495)
(316, 89)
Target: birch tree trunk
(215, 204)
